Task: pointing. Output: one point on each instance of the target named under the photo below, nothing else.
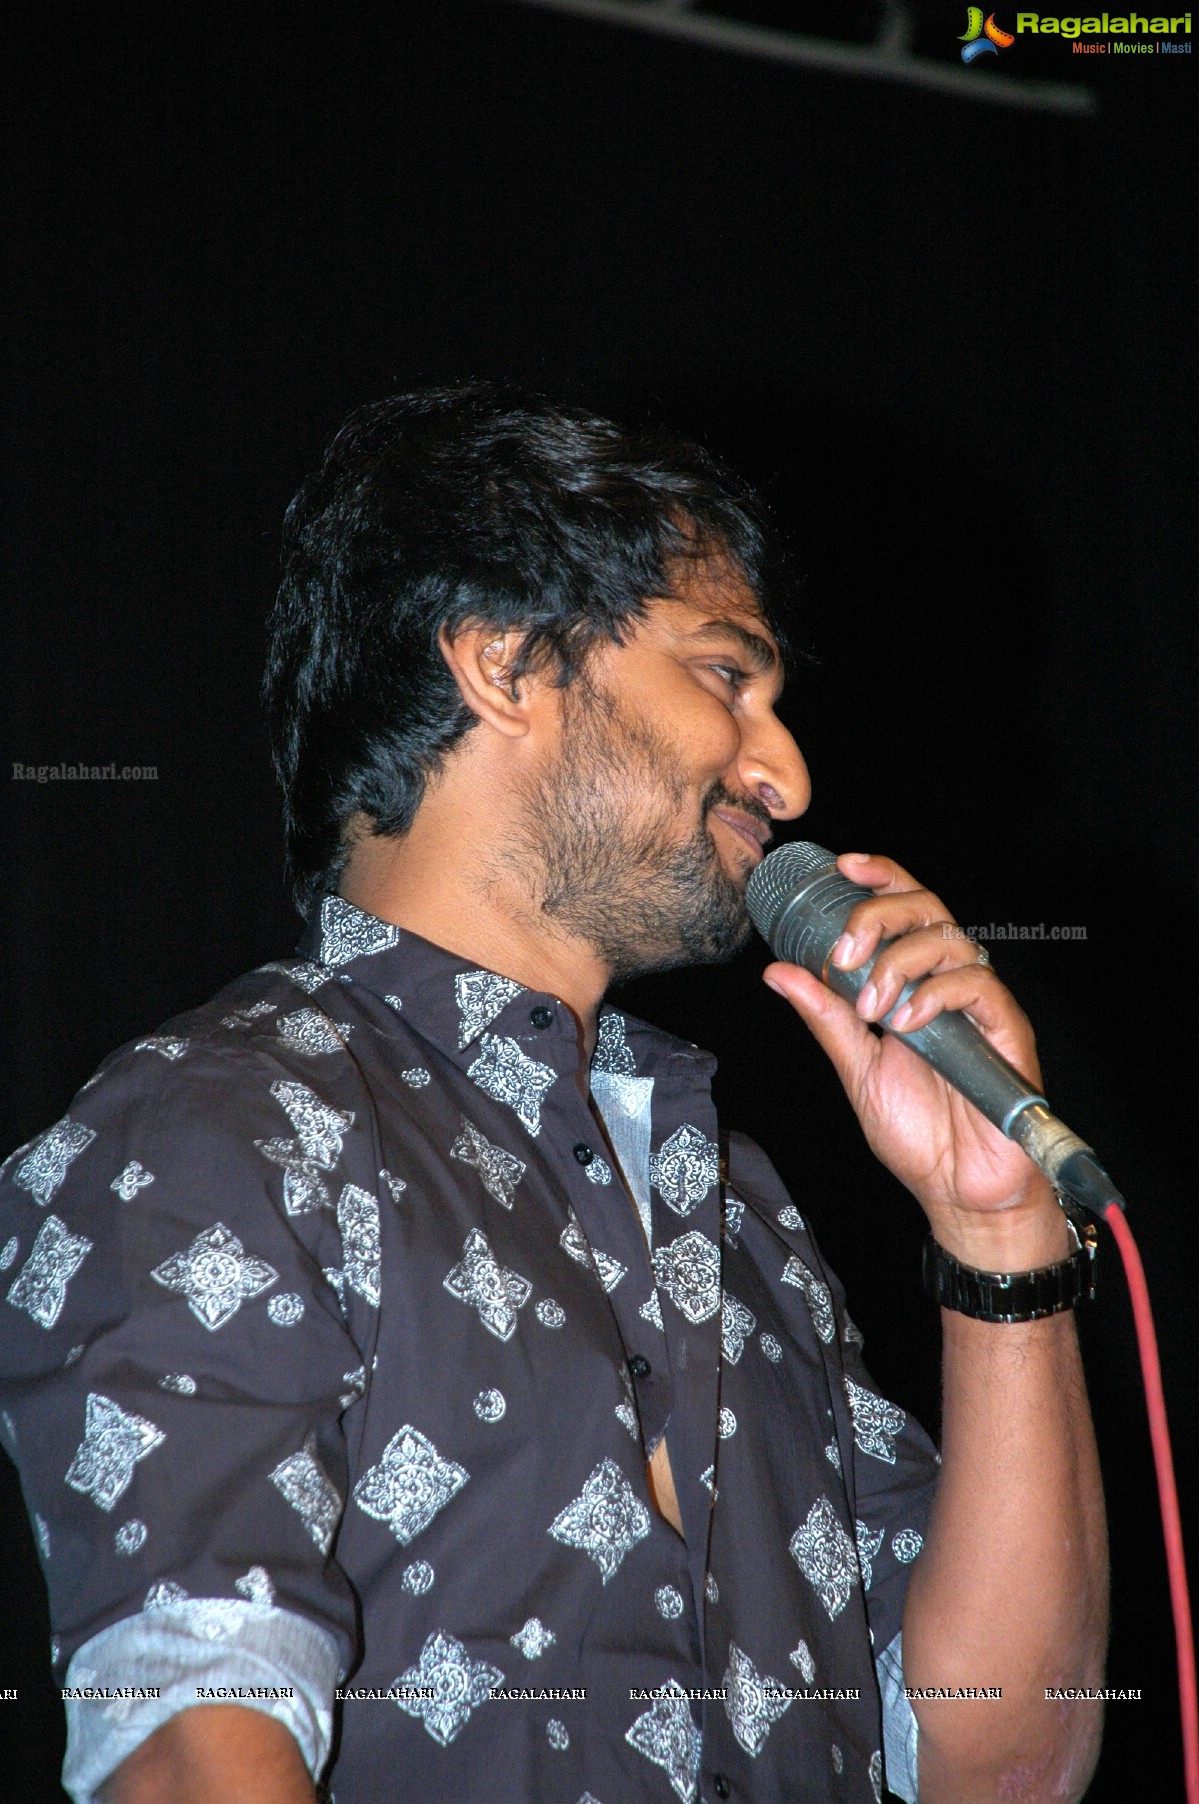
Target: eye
(732, 674)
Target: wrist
(1015, 1293)
(1023, 1238)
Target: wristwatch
(1016, 1296)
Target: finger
(875, 872)
(831, 1020)
(916, 955)
(977, 992)
(886, 917)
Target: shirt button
(583, 1153)
(541, 1016)
(720, 1785)
(640, 1367)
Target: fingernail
(772, 984)
(902, 1015)
(867, 1000)
(857, 857)
(843, 950)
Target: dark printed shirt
(337, 1334)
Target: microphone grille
(778, 877)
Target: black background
(953, 340)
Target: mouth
(753, 833)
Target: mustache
(721, 793)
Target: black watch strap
(1015, 1296)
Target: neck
(449, 889)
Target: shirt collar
(453, 1002)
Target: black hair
(455, 506)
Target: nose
(771, 767)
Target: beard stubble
(601, 853)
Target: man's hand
(213, 1754)
(985, 1201)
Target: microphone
(799, 902)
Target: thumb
(833, 1022)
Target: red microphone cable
(1163, 1460)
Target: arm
(213, 1754)
(1010, 1588)
(183, 1445)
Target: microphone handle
(805, 932)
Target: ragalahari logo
(982, 38)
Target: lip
(755, 833)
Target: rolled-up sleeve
(136, 1675)
(175, 1365)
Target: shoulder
(270, 1055)
(203, 1160)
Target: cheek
(721, 738)
(699, 742)
(675, 720)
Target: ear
(481, 660)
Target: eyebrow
(760, 652)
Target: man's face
(646, 820)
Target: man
(409, 1390)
